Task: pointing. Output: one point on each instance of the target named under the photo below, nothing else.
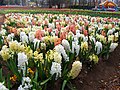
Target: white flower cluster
(98, 47)
(31, 36)
(36, 43)
(26, 84)
(113, 46)
(23, 37)
(22, 60)
(66, 45)
(10, 37)
(75, 48)
(3, 32)
(56, 69)
(59, 48)
(2, 87)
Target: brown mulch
(104, 76)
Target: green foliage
(66, 11)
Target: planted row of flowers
(61, 11)
(40, 49)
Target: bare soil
(103, 76)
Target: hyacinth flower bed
(39, 50)
(59, 11)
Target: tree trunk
(83, 3)
(75, 2)
(79, 2)
(94, 2)
(50, 6)
(1, 2)
(90, 3)
(97, 3)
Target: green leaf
(14, 69)
(64, 84)
(1, 78)
(42, 83)
(70, 86)
(36, 76)
(8, 81)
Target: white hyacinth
(22, 34)
(23, 37)
(75, 48)
(2, 87)
(66, 44)
(59, 48)
(92, 39)
(77, 31)
(82, 36)
(56, 69)
(22, 60)
(36, 43)
(31, 36)
(26, 84)
(98, 47)
(43, 46)
(110, 32)
(10, 37)
(20, 88)
(3, 32)
(117, 34)
(113, 46)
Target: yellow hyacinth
(57, 57)
(84, 46)
(52, 38)
(21, 48)
(110, 38)
(5, 55)
(29, 52)
(47, 39)
(38, 56)
(13, 46)
(94, 58)
(36, 53)
(50, 55)
(76, 68)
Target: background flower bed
(62, 11)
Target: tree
(75, 2)
(1, 2)
(50, 5)
(90, 3)
(79, 2)
(94, 2)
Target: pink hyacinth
(63, 35)
(72, 28)
(39, 34)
